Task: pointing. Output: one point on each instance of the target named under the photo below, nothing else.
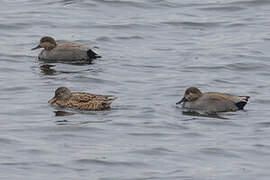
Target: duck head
(191, 94)
(48, 43)
(61, 93)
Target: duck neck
(48, 46)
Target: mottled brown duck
(80, 100)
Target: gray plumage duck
(212, 101)
(64, 51)
(80, 100)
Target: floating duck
(212, 101)
(64, 51)
(80, 100)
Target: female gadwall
(80, 100)
(212, 101)
(64, 51)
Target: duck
(212, 102)
(64, 51)
(64, 98)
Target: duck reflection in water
(201, 114)
(50, 69)
(63, 113)
(47, 69)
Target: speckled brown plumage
(81, 100)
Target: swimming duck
(212, 101)
(64, 51)
(80, 100)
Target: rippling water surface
(152, 50)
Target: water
(152, 50)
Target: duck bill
(182, 100)
(53, 100)
(37, 47)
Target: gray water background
(152, 50)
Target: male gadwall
(80, 100)
(212, 101)
(64, 51)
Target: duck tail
(242, 102)
(106, 103)
(111, 99)
(92, 55)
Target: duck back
(67, 51)
(87, 101)
(218, 102)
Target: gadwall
(212, 101)
(64, 51)
(80, 100)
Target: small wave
(153, 151)
(265, 124)
(15, 26)
(14, 164)
(190, 24)
(118, 3)
(218, 152)
(8, 141)
(15, 88)
(204, 67)
(104, 38)
(109, 163)
(236, 25)
(149, 134)
(251, 3)
(262, 101)
(125, 25)
(247, 66)
(223, 8)
(129, 37)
